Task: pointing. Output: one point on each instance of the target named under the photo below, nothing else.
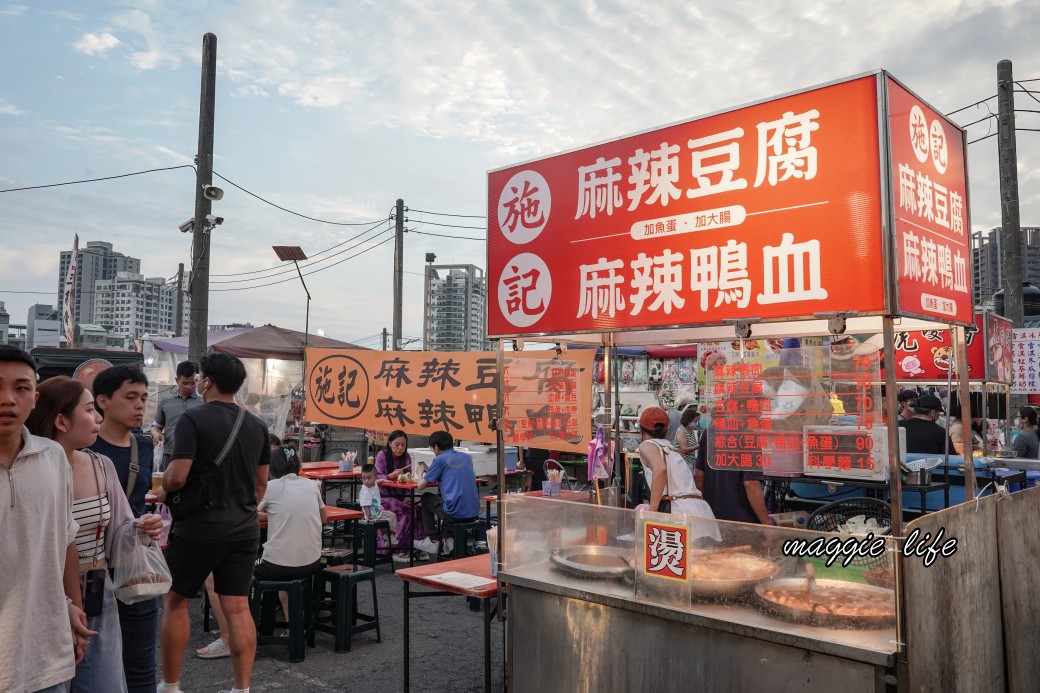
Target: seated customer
(295, 513)
(1026, 443)
(458, 500)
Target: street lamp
(295, 253)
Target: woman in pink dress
(391, 462)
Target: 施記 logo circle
(523, 207)
(919, 133)
(524, 290)
(928, 139)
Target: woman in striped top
(65, 413)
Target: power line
(290, 270)
(302, 216)
(94, 180)
(453, 226)
(970, 105)
(444, 235)
(258, 286)
(313, 259)
(445, 214)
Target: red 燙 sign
(666, 550)
(771, 210)
(930, 204)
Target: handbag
(139, 568)
(197, 494)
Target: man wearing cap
(907, 399)
(923, 434)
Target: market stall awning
(267, 342)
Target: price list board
(793, 418)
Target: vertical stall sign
(547, 400)
(1026, 362)
(999, 367)
(929, 200)
(728, 216)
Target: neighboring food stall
(838, 209)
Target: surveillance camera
(214, 221)
(212, 192)
(187, 226)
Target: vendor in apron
(672, 488)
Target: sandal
(215, 650)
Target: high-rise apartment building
(5, 323)
(454, 318)
(130, 306)
(43, 327)
(987, 262)
(95, 262)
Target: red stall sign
(931, 210)
(770, 211)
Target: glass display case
(804, 591)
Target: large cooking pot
(830, 603)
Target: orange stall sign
(771, 211)
(666, 550)
(930, 202)
(548, 399)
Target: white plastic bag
(157, 456)
(139, 570)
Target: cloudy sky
(336, 109)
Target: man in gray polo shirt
(171, 408)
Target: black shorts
(231, 563)
(273, 571)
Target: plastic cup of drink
(156, 481)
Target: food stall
(797, 219)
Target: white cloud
(8, 108)
(96, 44)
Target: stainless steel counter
(872, 647)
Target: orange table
(578, 496)
(427, 576)
(334, 475)
(319, 465)
(333, 514)
(411, 487)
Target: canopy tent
(273, 357)
(267, 342)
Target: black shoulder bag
(197, 493)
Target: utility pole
(1010, 224)
(398, 272)
(199, 285)
(178, 317)
(385, 335)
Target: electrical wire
(970, 105)
(258, 286)
(453, 226)
(276, 206)
(444, 235)
(94, 180)
(445, 214)
(980, 120)
(312, 260)
(1032, 94)
(984, 137)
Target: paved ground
(447, 651)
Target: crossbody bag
(198, 495)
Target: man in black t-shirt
(224, 537)
(923, 434)
(733, 495)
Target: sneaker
(449, 545)
(423, 556)
(401, 557)
(215, 650)
(428, 545)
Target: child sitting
(369, 498)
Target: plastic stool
(333, 556)
(461, 531)
(366, 532)
(265, 599)
(341, 602)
